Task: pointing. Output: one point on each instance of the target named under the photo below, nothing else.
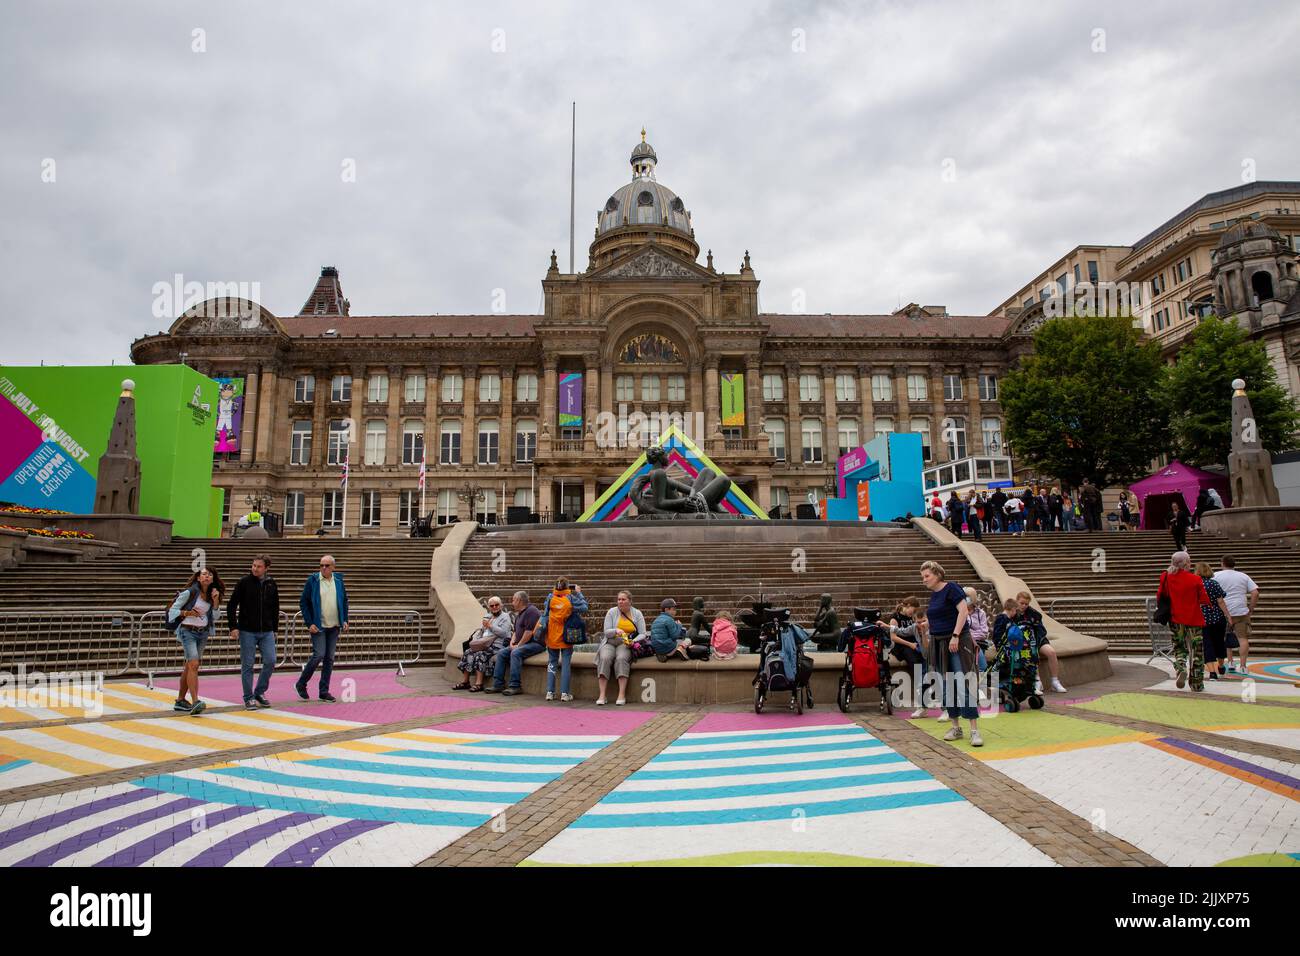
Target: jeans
(564, 655)
(250, 643)
(515, 658)
(323, 643)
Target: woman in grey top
(623, 625)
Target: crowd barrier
(1116, 618)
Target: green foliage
(1200, 394)
(1089, 403)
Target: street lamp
(471, 494)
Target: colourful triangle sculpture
(684, 453)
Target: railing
(1136, 624)
(117, 642)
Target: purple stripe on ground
(219, 854)
(41, 824)
(307, 852)
(1233, 762)
(147, 849)
(87, 838)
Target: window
(955, 437)
(781, 500)
(846, 387)
(524, 498)
(623, 388)
(882, 388)
(370, 509)
(992, 429)
(1158, 284)
(1077, 274)
(952, 388)
(331, 509)
(408, 508)
(811, 432)
(649, 388)
(489, 442)
(412, 443)
(848, 435)
(453, 388)
(376, 442)
(446, 506)
(988, 388)
(1181, 271)
(377, 387)
(525, 441)
(921, 426)
(489, 387)
(810, 388)
(775, 428)
(341, 388)
(338, 442)
(884, 425)
(526, 387)
(773, 387)
(300, 443)
(676, 388)
(415, 387)
(1093, 274)
(293, 508)
(916, 388)
(1060, 283)
(449, 449)
(304, 388)
(485, 511)
(225, 507)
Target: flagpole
(347, 480)
(424, 474)
(573, 177)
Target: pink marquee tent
(1157, 491)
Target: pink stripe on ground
(553, 719)
(749, 721)
(387, 711)
(369, 683)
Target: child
(979, 630)
(1034, 619)
(905, 644)
(723, 637)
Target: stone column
(320, 423)
(712, 399)
(753, 397)
(903, 418)
(248, 439)
(865, 402)
(430, 425)
(974, 430)
(831, 434)
(590, 400)
(549, 422)
(765, 491)
(697, 405)
(507, 418)
(358, 447)
(793, 427)
(938, 413)
(545, 497)
(469, 424)
(393, 443)
(268, 387)
(607, 389)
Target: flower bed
(23, 510)
(50, 532)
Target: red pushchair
(866, 663)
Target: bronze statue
(698, 632)
(826, 626)
(656, 494)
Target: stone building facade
(646, 330)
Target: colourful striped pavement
(804, 788)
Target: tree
(1089, 402)
(1200, 394)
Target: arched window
(1261, 283)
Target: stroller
(866, 661)
(779, 641)
(1016, 662)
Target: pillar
(974, 429)
(430, 424)
(320, 424)
(393, 442)
(507, 420)
(753, 397)
(468, 423)
(903, 416)
(865, 402)
(357, 449)
(831, 435)
(247, 430)
(268, 389)
(938, 414)
(793, 427)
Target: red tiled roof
(424, 326)
(886, 326)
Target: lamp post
(471, 494)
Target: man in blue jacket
(324, 605)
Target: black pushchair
(1016, 664)
(777, 634)
(866, 661)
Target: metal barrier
(1137, 625)
(372, 635)
(156, 649)
(67, 640)
(1162, 639)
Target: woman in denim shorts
(193, 614)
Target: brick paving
(1066, 838)
(539, 817)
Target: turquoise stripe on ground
(481, 758)
(730, 754)
(704, 818)
(763, 789)
(216, 793)
(441, 773)
(840, 763)
(494, 797)
(13, 765)
(593, 746)
(774, 735)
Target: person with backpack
(560, 622)
(324, 606)
(254, 612)
(1090, 499)
(192, 616)
(623, 625)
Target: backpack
(175, 625)
(866, 661)
(575, 630)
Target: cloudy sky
(817, 136)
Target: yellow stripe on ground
(125, 703)
(300, 721)
(156, 728)
(1040, 749)
(52, 758)
(13, 715)
(249, 730)
(139, 690)
(426, 738)
(362, 746)
(108, 744)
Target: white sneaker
(1057, 685)
(619, 703)
(943, 717)
(550, 695)
(918, 713)
(953, 734)
(566, 697)
(975, 739)
(600, 702)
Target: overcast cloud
(826, 164)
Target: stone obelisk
(1250, 467)
(117, 486)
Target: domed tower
(641, 211)
(1254, 272)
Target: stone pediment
(651, 263)
(227, 317)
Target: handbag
(480, 640)
(1164, 605)
(641, 647)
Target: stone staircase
(1097, 592)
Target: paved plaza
(402, 771)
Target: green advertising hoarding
(55, 423)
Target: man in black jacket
(254, 610)
(1090, 499)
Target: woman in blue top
(953, 649)
(193, 615)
